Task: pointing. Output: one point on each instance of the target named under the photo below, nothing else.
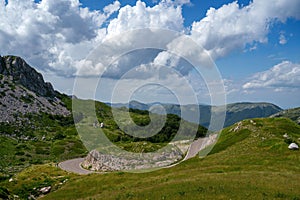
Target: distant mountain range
(235, 112)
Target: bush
(20, 153)
(59, 136)
(4, 193)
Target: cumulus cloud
(50, 34)
(283, 75)
(232, 27)
(58, 35)
(163, 15)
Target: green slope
(260, 133)
(293, 114)
(46, 138)
(249, 162)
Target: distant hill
(234, 112)
(239, 111)
(293, 114)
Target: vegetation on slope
(256, 166)
(39, 139)
(261, 134)
(129, 135)
(293, 114)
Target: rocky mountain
(23, 91)
(21, 73)
(234, 112)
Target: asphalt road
(74, 166)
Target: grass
(29, 182)
(192, 180)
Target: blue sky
(254, 45)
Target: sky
(176, 51)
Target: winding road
(74, 165)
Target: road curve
(74, 166)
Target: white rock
(286, 135)
(293, 146)
(45, 190)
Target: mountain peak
(21, 73)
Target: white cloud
(231, 27)
(162, 15)
(57, 35)
(282, 39)
(283, 75)
(111, 8)
(50, 35)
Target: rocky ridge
(21, 73)
(23, 90)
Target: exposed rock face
(25, 75)
(23, 91)
(97, 161)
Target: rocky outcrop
(21, 73)
(97, 161)
(23, 91)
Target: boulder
(293, 146)
(45, 190)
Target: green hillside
(45, 138)
(250, 161)
(293, 114)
